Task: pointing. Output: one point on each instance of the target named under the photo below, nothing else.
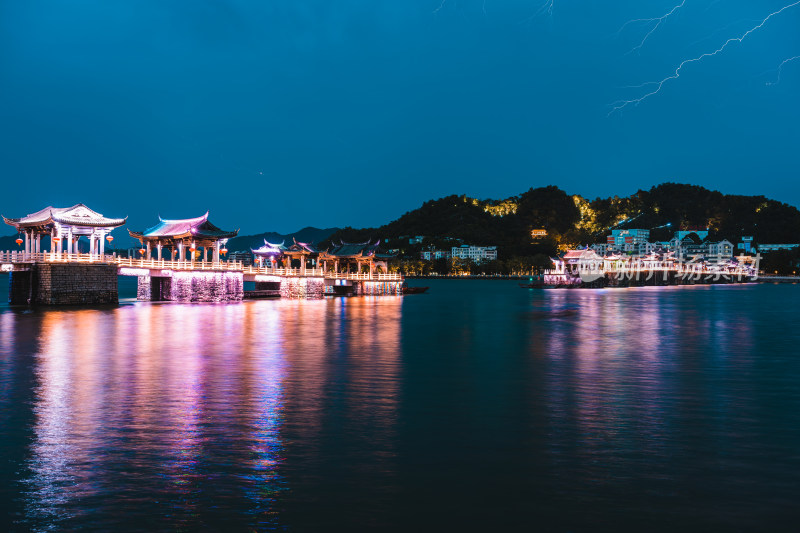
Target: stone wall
(192, 287)
(299, 288)
(376, 288)
(143, 289)
(207, 286)
(19, 287)
(75, 284)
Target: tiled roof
(198, 227)
(269, 249)
(77, 215)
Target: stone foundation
(379, 288)
(19, 287)
(300, 288)
(65, 284)
(192, 287)
(363, 288)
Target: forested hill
(572, 220)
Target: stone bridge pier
(190, 286)
(63, 284)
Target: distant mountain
(572, 220)
(309, 234)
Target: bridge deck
(133, 267)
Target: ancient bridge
(62, 278)
(181, 260)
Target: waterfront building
(475, 253)
(430, 255)
(621, 237)
(721, 249)
(64, 226)
(746, 244)
(585, 266)
(245, 258)
(181, 234)
(765, 248)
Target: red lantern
(19, 241)
(223, 251)
(109, 239)
(141, 251)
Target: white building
(721, 249)
(430, 255)
(776, 247)
(476, 253)
(621, 237)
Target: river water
(479, 405)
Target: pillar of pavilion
(304, 252)
(64, 226)
(350, 257)
(186, 237)
(269, 253)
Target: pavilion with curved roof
(70, 223)
(181, 234)
(359, 255)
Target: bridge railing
(312, 272)
(15, 256)
(164, 264)
(392, 276)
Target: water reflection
(471, 407)
(623, 379)
(180, 411)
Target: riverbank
(778, 279)
(493, 277)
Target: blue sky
(280, 114)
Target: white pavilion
(65, 224)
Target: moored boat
(413, 290)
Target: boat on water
(413, 290)
(585, 268)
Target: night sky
(276, 115)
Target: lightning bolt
(621, 104)
(440, 6)
(657, 20)
(780, 69)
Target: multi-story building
(702, 233)
(246, 258)
(430, 255)
(621, 237)
(722, 249)
(775, 247)
(476, 253)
